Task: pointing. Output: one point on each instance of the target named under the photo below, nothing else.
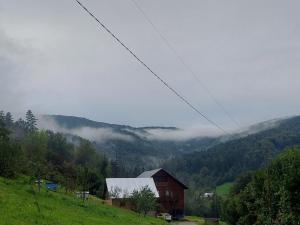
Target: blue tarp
(52, 186)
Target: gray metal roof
(149, 173)
(123, 187)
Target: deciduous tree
(143, 200)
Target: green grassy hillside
(200, 220)
(21, 204)
(224, 189)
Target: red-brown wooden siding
(166, 183)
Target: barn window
(169, 193)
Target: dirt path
(185, 223)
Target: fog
(92, 134)
(150, 134)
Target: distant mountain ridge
(225, 161)
(72, 122)
(144, 148)
(137, 145)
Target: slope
(224, 162)
(143, 147)
(21, 204)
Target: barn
(167, 189)
(170, 190)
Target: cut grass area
(200, 220)
(197, 219)
(223, 223)
(21, 204)
(224, 189)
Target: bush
(270, 196)
(143, 200)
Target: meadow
(22, 204)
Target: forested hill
(224, 162)
(147, 147)
(143, 147)
(73, 122)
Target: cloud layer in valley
(90, 133)
(148, 133)
(180, 134)
(129, 134)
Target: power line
(151, 71)
(188, 68)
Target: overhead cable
(150, 70)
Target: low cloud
(92, 134)
(201, 131)
(262, 126)
(151, 133)
(178, 134)
(100, 134)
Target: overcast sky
(55, 60)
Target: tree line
(39, 154)
(269, 196)
(203, 171)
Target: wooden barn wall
(164, 182)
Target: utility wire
(151, 71)
(188, 68)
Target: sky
(54, 59)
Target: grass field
(21, 204)
(224, 189)
(200, 220)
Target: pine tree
(115, 166)
(3, 132)
(20, 123)
(8, 119)
(9, 154)
(31, 121)
(2, 116)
